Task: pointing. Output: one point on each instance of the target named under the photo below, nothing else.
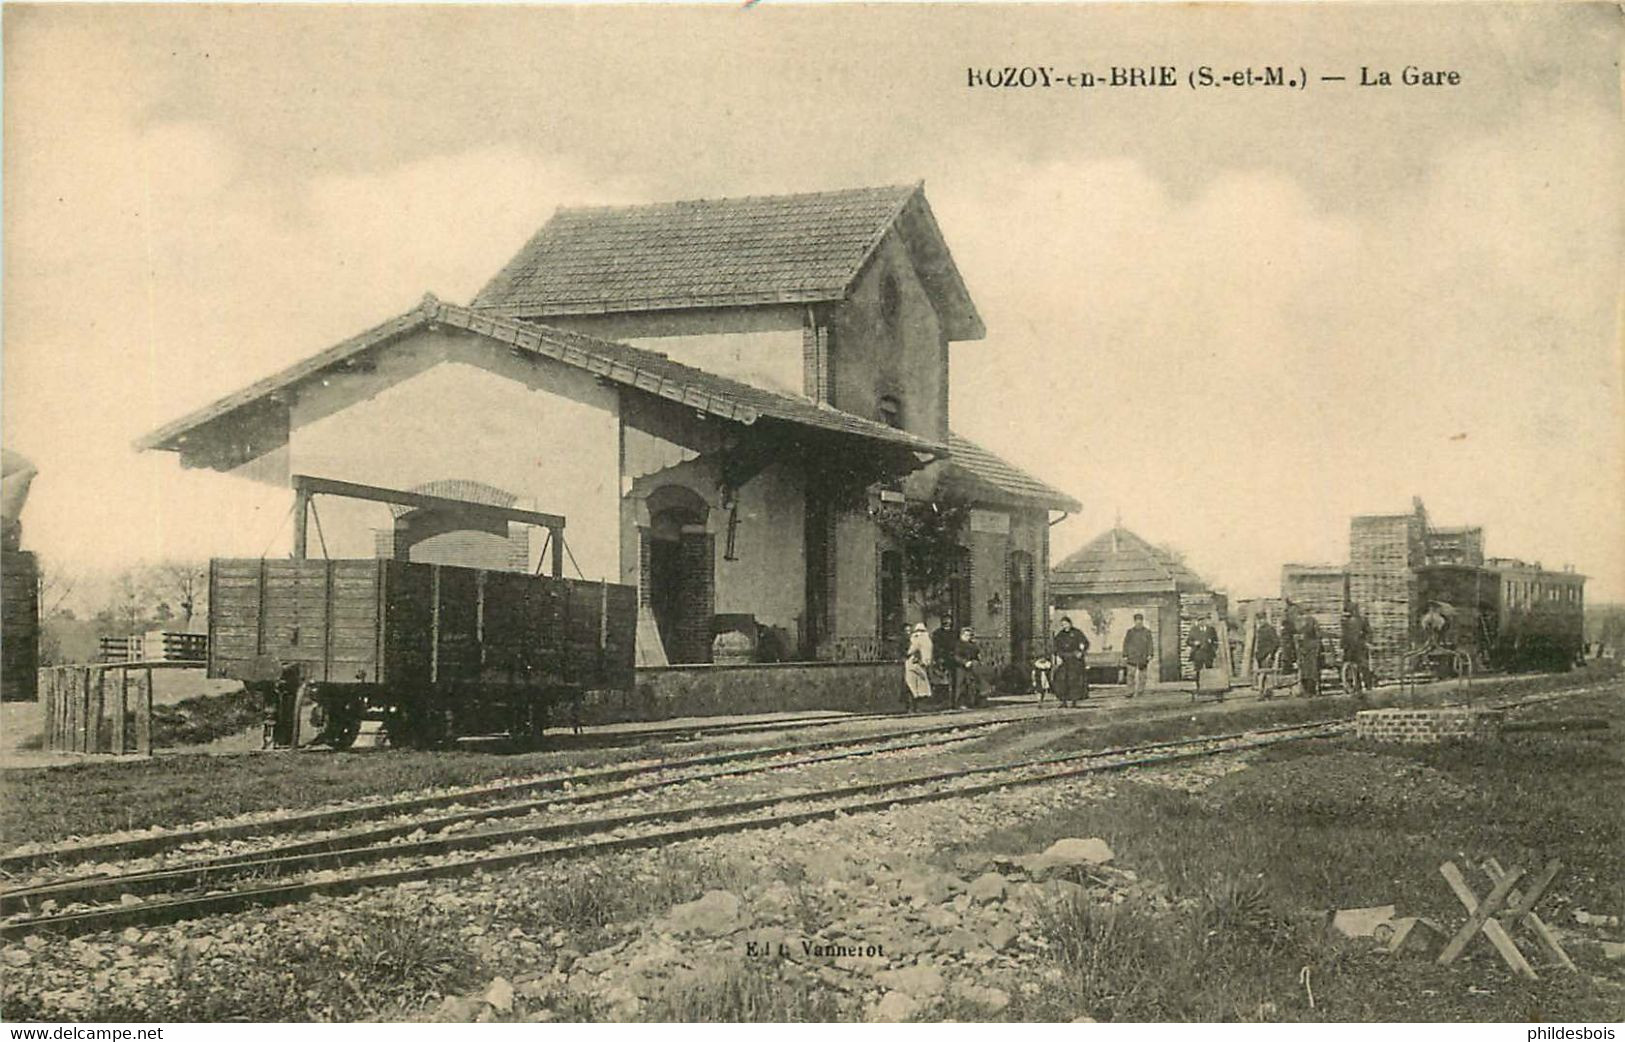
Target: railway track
(204, 889)
(403, 851)
(477, 799)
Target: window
(891, 410)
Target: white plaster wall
(769, 578)
(446, 405)
(769, 359)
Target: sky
(1232, 318)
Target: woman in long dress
(917, 665)
(1071, 678)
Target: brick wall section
(1428, 726)
(698, 596)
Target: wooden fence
(101, 708)
(156, 646)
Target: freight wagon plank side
(319, 615)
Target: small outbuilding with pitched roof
(1117, 574)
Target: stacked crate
(1321, 591)
(1383, 553)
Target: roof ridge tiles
(757, 197)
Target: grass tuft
(743, 994)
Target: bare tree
(53, 586)
(183, 584)
(126, 606)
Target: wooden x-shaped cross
(1505, 906)
(1480, 917)
(1523, 908)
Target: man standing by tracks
(1308, 636)
(1137, 652)
(1356, 633)
(1289, 639)
(967, 670)
(1265, 644)
(1204, 646)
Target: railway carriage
(1508, 615)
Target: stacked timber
(1384, 552)
(1321, 591)
(1389, 601)
(1388, 543)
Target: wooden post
(81, 709)
(98, 709)
(434, 623)
(301, 519)
(556, 539)
(64, 712)
(59, 725)
(1248, 643)
(143, 718)
(121, 705)
(47, 705)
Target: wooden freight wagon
(434, 651)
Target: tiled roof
(720, 253)
(971, 464)
(1118, 561)
(620, 363)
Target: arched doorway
(446, 535)
(679, 573)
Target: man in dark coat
(1204, 644)
(1071, 677)
(1289, 638)
(1308, 634)
(1356, 634)
(967, 669)
(943, 642)
(1265, 643)
(1137, 653)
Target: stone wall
(1428, 726)
(664, 693)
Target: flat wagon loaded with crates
(432, 651)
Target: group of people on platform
(947, 665)
(1296, 647)
(940, 664)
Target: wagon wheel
(1464, 666)
(268, 695)
(310, 715)
(526, 721)
(413, 725)
(345, 725)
